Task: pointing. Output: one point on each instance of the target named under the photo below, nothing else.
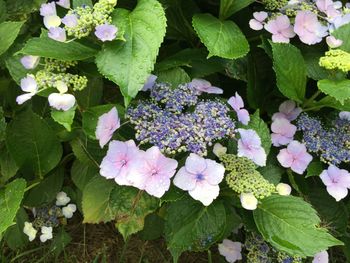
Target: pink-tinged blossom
(344, 115)
(257, 22)
(48, 9)
(280, 28)
(152, 172)
(151, 80)
(287, 110)
(340, 21)
(52, 21)
(332, 42)
(30, 62)
(70, 20)
(61, 101)
(249, 145)
(28, 85)
(308, 28)
(58, 34)
(107, 124)
(283, 132)
(237, 104)
(106, 32)
(120, 157)
(64, 3)
(230, 250)
(328, 7)
(295, 157)
(321, 257)
(337, 182)
(201, 178)
(205, 86)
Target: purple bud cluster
(333, 144)
(176, 121)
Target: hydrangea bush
(214, 125)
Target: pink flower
(321, 257)
(337, 181)
(64, 3)
(106, 32)
(249, 145)
(205, 86)
(150, 82)
(280, 28)
(230, 250)
(30, 62)
(28, 85)
(48, 9)
(287, 110)
(70, 20)
(118, 160)
(237, 104)
(57, 33)
(152, 172)
(257, 22)
(295, 157)
(107, 124)
(332, 42)
(201, 178)
(308, 28)
(283, 132)
(329, 8)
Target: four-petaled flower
(287, 110)
(46, 233)
(249, 145)
(337, 182)
(107, 124)
(230, 250)
(280, 28)
(106, 32)
(283, 132)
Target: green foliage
(222, 38)
(8, 34)
(292, 225)
(339, 90)
(82, 174)
(343, 33)
(229, 7)
(174, 76)
(14, 236)
(65, 118)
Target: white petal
(205, 192)
(52, 21)
(249, 201)
(23, 98)
(61, 101)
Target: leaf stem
(312, 98)
(210, 260)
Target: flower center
(154, 172)
(199, 177)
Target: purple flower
(70, 20)
(308, 28)
(205, 86)
(119, 159)
(152, 172)
(249, 145)
(280, 28)
(52, 21)
(230, 250)
(257, 22)
(106, 32)
(332, 42)
(151, 80)
(28, 85)
(337, 182)
(283, 132)
(58, 34)
(30, 62)
(201, 178)
(61, 101)
(107, 124)
(64, 3)
(295, 157)
(237, 104)
(48, 9)
(329, 8)
(321, 257)
(344, 115)
(287, 110)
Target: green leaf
(174, 76)
(79, 3)
(82, 174)
(131, 206)
(87, 151)
(331, 102)
(65, 118)
(32, 143)
(91, 95)
(8, 166)
(10, 200)
(340, 90)
(16, 69)
(290, 69)
(8, 34)
(229, 7)
(222, 38)
(2, 125)
(315, 168)
(21, 8)
(3, 13)
(43, 47)
(312, 58)
(343, 33)
(261, 128)
(14, 236)
(292, 225)
(153, 227)
(129, 63)
(272, 173)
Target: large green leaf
(174, 76)
(82, 174)
(292, 225)
(261, 128)
(32, 143)
(8, 34)
(229, 7)
(8, 166)
(340, 90)
(290, 69)
(14, 236)
(10, 199)
(65, 118)
(222, 38)
(331, 102)
(129, 63)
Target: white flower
(46, 233)
(230, 250)
(249, 201)
(283, 189)
(30, 62)
(28, 85)
(69, 210)
(29, 230)
(61, 101)
(62, 199)
(344, 115)
(52, 21)
(219, 149)
(321, 257)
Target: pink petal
(279, 38)
(205, 192)
(285, 158)
(279, 140)
(214, 90)
(195, 164)
(337, 191)
(214, 172)
(243, 116)
(259, 156)
(236, 102)
(299, 165)
(255, 24)
(157, 185)
(185, 180)
(260, 16)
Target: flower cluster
(81, 21)
(336, 59)
(311, 21)
(53, 75)
(48, 217)
(176, 120)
